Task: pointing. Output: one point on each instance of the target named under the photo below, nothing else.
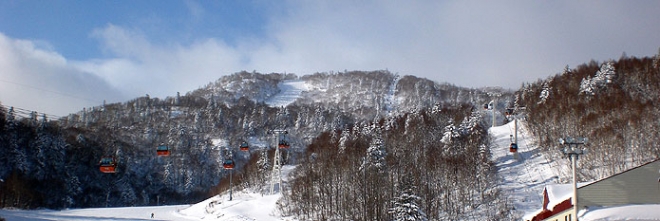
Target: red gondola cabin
(284, 144)
(228, 164)
(108, 165)
(162, 150)
(244, 146)
(513, 148)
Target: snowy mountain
(64, 154)
(366, 145)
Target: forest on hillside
(613, 103)
(433, 164)
(54, 163)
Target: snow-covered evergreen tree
(375, 155)
(450, 133)
(545, 93)
(603, 77)
(405, 207)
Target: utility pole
(229, 154)
(493, 111)
(493, 107)
(276, 174)
(516, 155)
(572, 150)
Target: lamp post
(572, 150)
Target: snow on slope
(389, 97)
(522, 179)
(245, 206)
(120, 213)
(289, 92)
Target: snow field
(245, 206)
(289, 92)
(524, 178)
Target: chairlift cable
(25, 113)
(526, 165)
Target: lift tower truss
(276, 174)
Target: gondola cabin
(162, 150)
(509, 112)
(108, 165)
(284, 144)
(513, 148)
(244, 146)
(228, 164)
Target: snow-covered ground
(622, 213)
(123, 213)
(289, 92)
(524, 178)
(245, 206)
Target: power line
(25, 113)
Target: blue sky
(68, 25)
(60, 56)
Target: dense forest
(53, 163)
(431, 164)
(614, 104)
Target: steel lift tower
(276, 174)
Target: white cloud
(139, 67)
(40, 79)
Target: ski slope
(102, 214)
(289, 92)
(244, 206)
(522, 179)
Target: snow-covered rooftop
(622, 213)
(560, 192)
